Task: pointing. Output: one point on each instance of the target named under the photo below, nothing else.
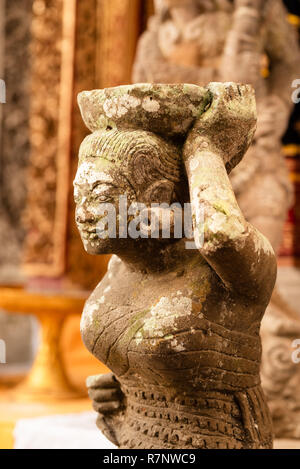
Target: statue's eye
(102, 193)
(104, 198)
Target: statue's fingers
(104, 395)
(107, 380)
(106, 407)
(104, 428)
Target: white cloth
(77, 431)
(72, 431)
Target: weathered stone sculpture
(179, 328)
(198, 41)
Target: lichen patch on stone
(119, 106)
(150, 104)
(88, 173)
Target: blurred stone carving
(15, 21)
(178, 327)
(49, 145)
(14, 133)
(245, 41)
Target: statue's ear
(159, 192)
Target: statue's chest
(130, 319)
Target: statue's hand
(107, 397)
(228, 125)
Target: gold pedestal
(47, 389)
(47, 379)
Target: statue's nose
(84, 216)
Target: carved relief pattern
(46, 68)
(84, 78)
(190, 420)
(14, 151)
(100, 57)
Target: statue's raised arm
(241, 256)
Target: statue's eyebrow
(100, 157)
(104, 183)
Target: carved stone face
(133, 165)
(94, 186)
(126, 156)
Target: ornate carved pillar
(14, 153)
(15, 19)
(50, 122)
(91, 55)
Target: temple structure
(15, 21)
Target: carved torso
(176, 339)
(194, 43)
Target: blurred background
(49, 51)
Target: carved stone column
(92, 55)
(15, 20)
(14, 153)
